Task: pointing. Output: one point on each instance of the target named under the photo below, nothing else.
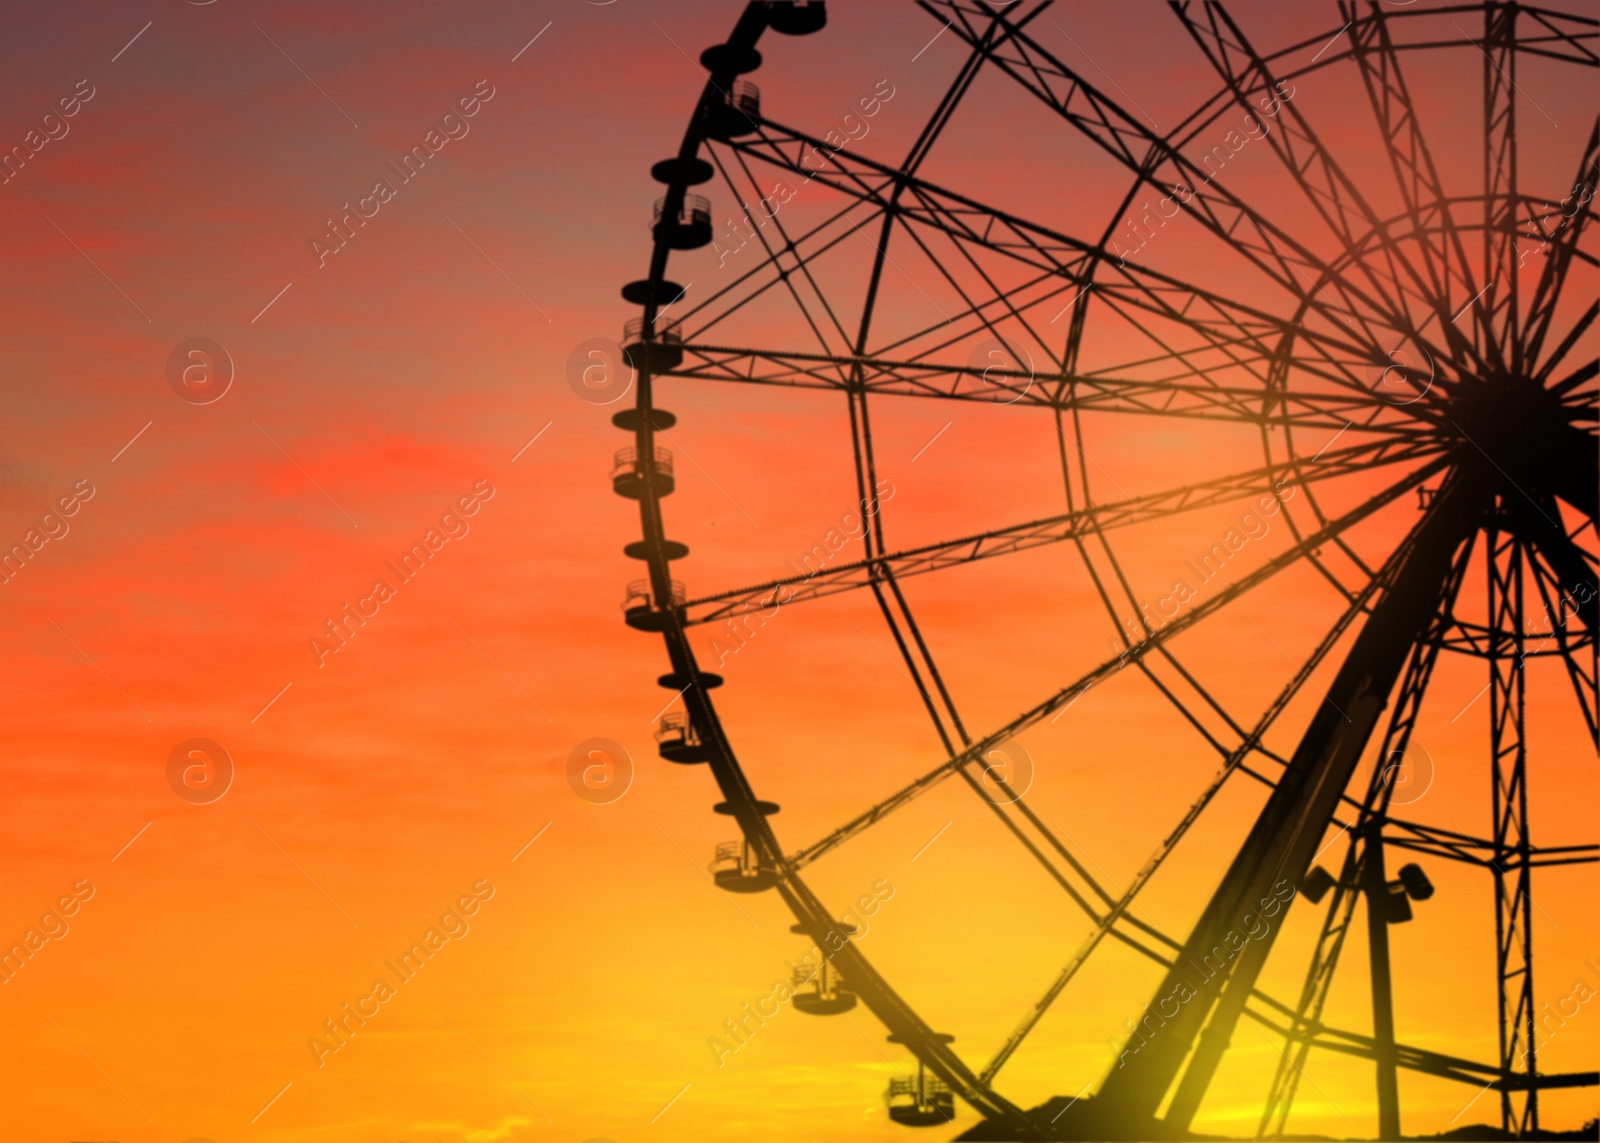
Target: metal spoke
(1559, 353)
(825, 580)
(1099, 392)
(1501, 207)
(1565, 594)
(1422, 190)
(1322, 179)
(1285, 261)
(1065, 695)
(1204, 312)
(802, 265)
(1559, 233)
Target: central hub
(1517, 425)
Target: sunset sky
(407, 384)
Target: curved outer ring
(812, 916)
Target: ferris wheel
(1391, 341)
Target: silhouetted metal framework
(1498, 441)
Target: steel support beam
(1513, 873)
(1375, 884)
(1199, 1002)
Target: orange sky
(424, 363)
